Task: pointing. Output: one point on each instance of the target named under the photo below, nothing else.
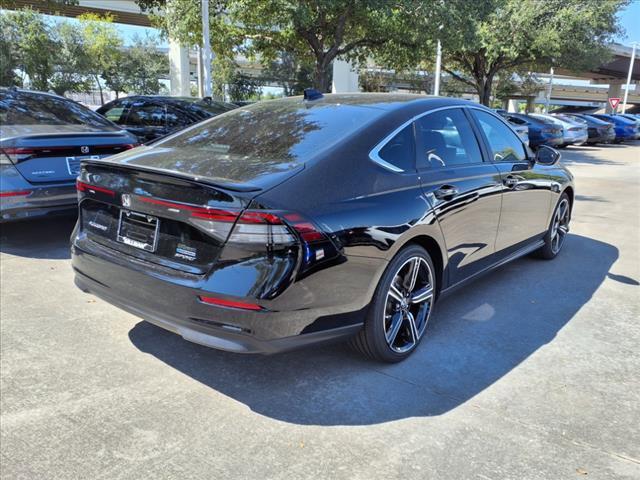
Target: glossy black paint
(367, 213)
(150, 117)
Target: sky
(630, 21)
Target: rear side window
(147, 115)
(177, 118)
(504, 143)
(23, 108)
(400, 150)
(446, 139)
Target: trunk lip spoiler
(209, 181)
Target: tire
(398, 317)
(558, 230)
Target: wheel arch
(434, 250)
(570, 193)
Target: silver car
(43, 138)
(573, 133)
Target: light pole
(436, 80)
(626, 91)
(548, 99)
(206, 50)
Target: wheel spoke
(422, 295)
(392, 333)
(563, 229)
(562, 210)
(395, 293)
(413, 328)
(413, 273)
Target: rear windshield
(19, 108)
(277, 131)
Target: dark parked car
(625, 129)
(292, 222)
(541, 131)
(599, 131)
(150, 117)
(43, 138)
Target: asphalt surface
(532, 372)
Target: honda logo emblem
(84, 149)
(126, 200)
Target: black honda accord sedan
(296, 221)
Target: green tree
(289, 73)
(103, 47)
(8, 52)
(486, 39)
(69, 71)
(319, 32)
(144, 65)
(33, 48)
(243, 87)
(314, 32)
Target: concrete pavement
(532, 372)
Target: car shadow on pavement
(39, 237)
(478, 335)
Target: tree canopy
(483, 39)
(76, 56)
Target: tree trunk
(483, 86)
(320, 80)
(321, 75)
(99, 88)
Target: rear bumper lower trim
(216, 337)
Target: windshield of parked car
(22, 108)
(279, 131)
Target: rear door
(464, 190)
(525, 189)
(147, 120)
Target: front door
(526, 193)
(463, 189)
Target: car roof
(10, 90)
(384, 101)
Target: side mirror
(547, 155)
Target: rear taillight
(250, 226)
(15, 193)
(18, 154)
(85, 187)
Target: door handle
(445, 191)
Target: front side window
(504, 143)
(117, 113)
(446, 139)
(400, 150)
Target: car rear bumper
(551, 141)
(40, 200)
(173, 304)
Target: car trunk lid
(157, 217)
(56, 157)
